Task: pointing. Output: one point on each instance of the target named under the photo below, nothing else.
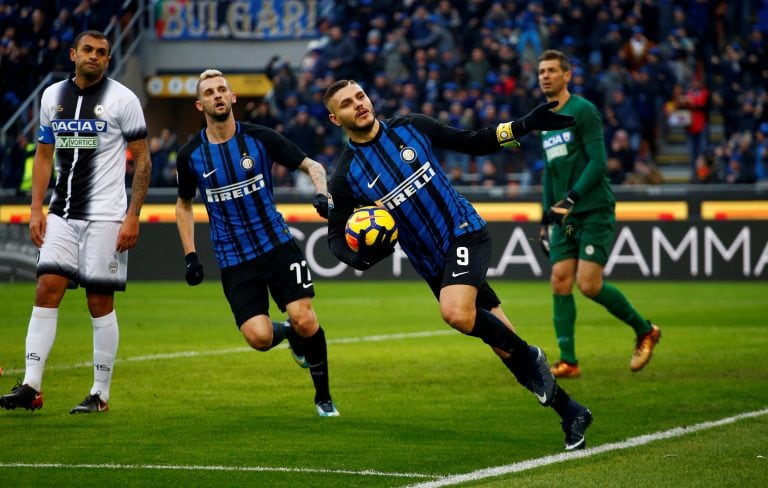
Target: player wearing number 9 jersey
(392, 163)
(231, 164)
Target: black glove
(321, 205)
(194, 274)
(541, 118)
(559, 212)
(380, 249)
(544, 234)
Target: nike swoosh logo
(456, 275)
(307, 285)
(370, 185)
(209, 173)
(542, 398)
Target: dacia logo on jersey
(79, 125)
(557, 139)
(247, 162)
(556, 145)
(236, 190)
(418, 180)
(408, 154)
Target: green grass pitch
(192, 406)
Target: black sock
(562, 402)
(278, 333)
(518, 364)
(317, 357)
(493, 332)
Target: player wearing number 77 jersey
(231, 164)
(392, 164)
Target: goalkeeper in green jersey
(579, 219)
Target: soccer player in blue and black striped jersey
(392, 163)
(231, 164)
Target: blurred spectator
(620, 150)
(635, 50)
(761, 152)
(396, 51)
(477, 67)
(340, 53)
(616, 174)
(15, 161)
(738, 169)
(707, 169)
(261, 113)
(626, 117)
(305, 131)
(281, 176)
(159, 158)
(529, 44)
(490, 174)
(644, 173)
(696, 99)
(329, 153)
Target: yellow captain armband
(505, 136)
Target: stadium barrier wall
(692, 249)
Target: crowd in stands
(651, 67)
(35, 39)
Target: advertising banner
(235, 19)
(673, 250)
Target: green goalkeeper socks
(615, 302)
(565, 325)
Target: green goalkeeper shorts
(586, 236)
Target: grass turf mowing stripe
(567, 456)
(272, 469)
(216, 352)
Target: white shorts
(85, 252)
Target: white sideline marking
(567, 456)
(366, 472)
(217, 352)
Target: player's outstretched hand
(544, 234)
(559, 212)
(321, 205)
(194, 274)
(541, 118)
(378, 250)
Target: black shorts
(467, 262)
(283, 273)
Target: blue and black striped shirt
(398, 170)
(235, 182)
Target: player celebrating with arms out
(579, 219)
(392, 164)
(231, 164)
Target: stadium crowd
(651, 67)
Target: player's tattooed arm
(143, 169)
(316, 173)
(129, 231)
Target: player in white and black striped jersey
(88, 120)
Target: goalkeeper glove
(540, 118)
(381, 247)
(544, 231)
(559, 212)
(194, 275)
(321, 205)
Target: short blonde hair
(209, 73)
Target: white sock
(40, 336)
(105, 338)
